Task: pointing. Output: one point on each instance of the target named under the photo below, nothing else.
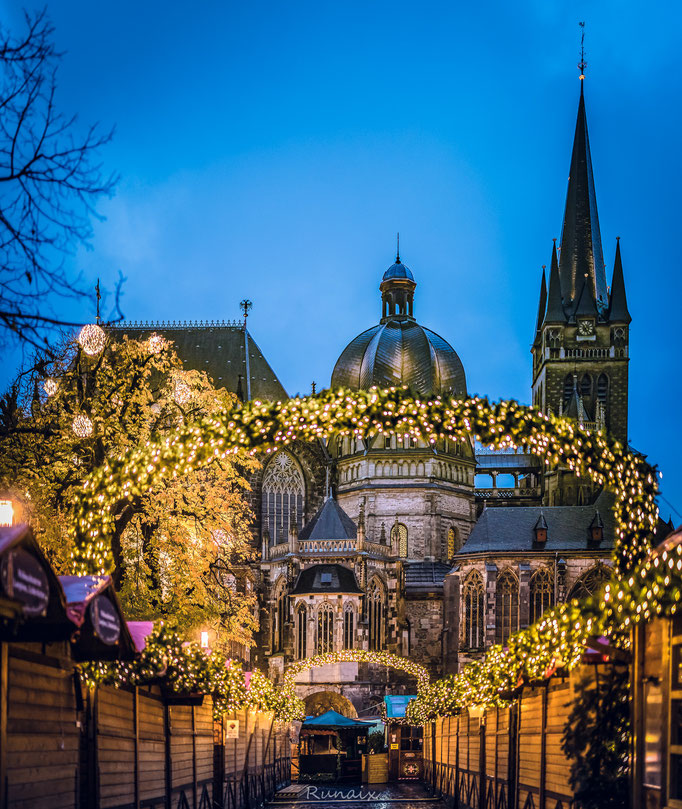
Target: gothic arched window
(325, 628)
(602, 388)
(590, 582)
(452, 543)
(541, 592)
(375, 615)
(283, 496)
(506, 606)
(568, 388)
(472, 593)
(301, 632)
(348, 626)
(280, 618)
(399, 538)
(586, 386)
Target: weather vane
(98, 295)
(245, 306)
(397, 249)
(583, 64)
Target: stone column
(490, 596)
(451, 602)
(524, 595)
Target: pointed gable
(619, 303)
(542, 304)
(555, 310)
(330, 522)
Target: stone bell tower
(581, 346)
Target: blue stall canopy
(333, 719)
(397, 705)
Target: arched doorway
(322, 701)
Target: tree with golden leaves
(182, 548)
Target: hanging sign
(24, 580)
(105, 620)
(231, 728)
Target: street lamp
(6, 512)
(204, 639)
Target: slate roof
(398, 270)
(511, 528)
(341, 580)
(330, 522)
(220, 350)
(425, 576)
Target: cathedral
(430, 552)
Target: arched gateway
(379, 658)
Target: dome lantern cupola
(397, 291)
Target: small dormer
(596, 529)
(540, 531)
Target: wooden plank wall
(509, 757)
(64, 748)
(42, 742)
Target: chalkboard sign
(105, 620)
(23, 579)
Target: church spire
(581, 260)
(542, 304)
(555, 309)
(619, 302)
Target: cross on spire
(582, 64)
(245, 306)
(397, 249)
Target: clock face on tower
(586, 328)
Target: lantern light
(82, 426)
(6, 512)
(92, 339)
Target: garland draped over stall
(639, 587)
(186, 668)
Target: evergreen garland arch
(640, 586)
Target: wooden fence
(63, 747)
(509, 757)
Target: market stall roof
(333, 719)
(93, 606)
(396, 705)
(32, 604)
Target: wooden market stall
(405, 742)
(657, 701)
(332, 745)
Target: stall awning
(333, 719)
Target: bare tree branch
(51, 180)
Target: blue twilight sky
(271, 150)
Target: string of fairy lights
(378, 657)
(641, 587)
